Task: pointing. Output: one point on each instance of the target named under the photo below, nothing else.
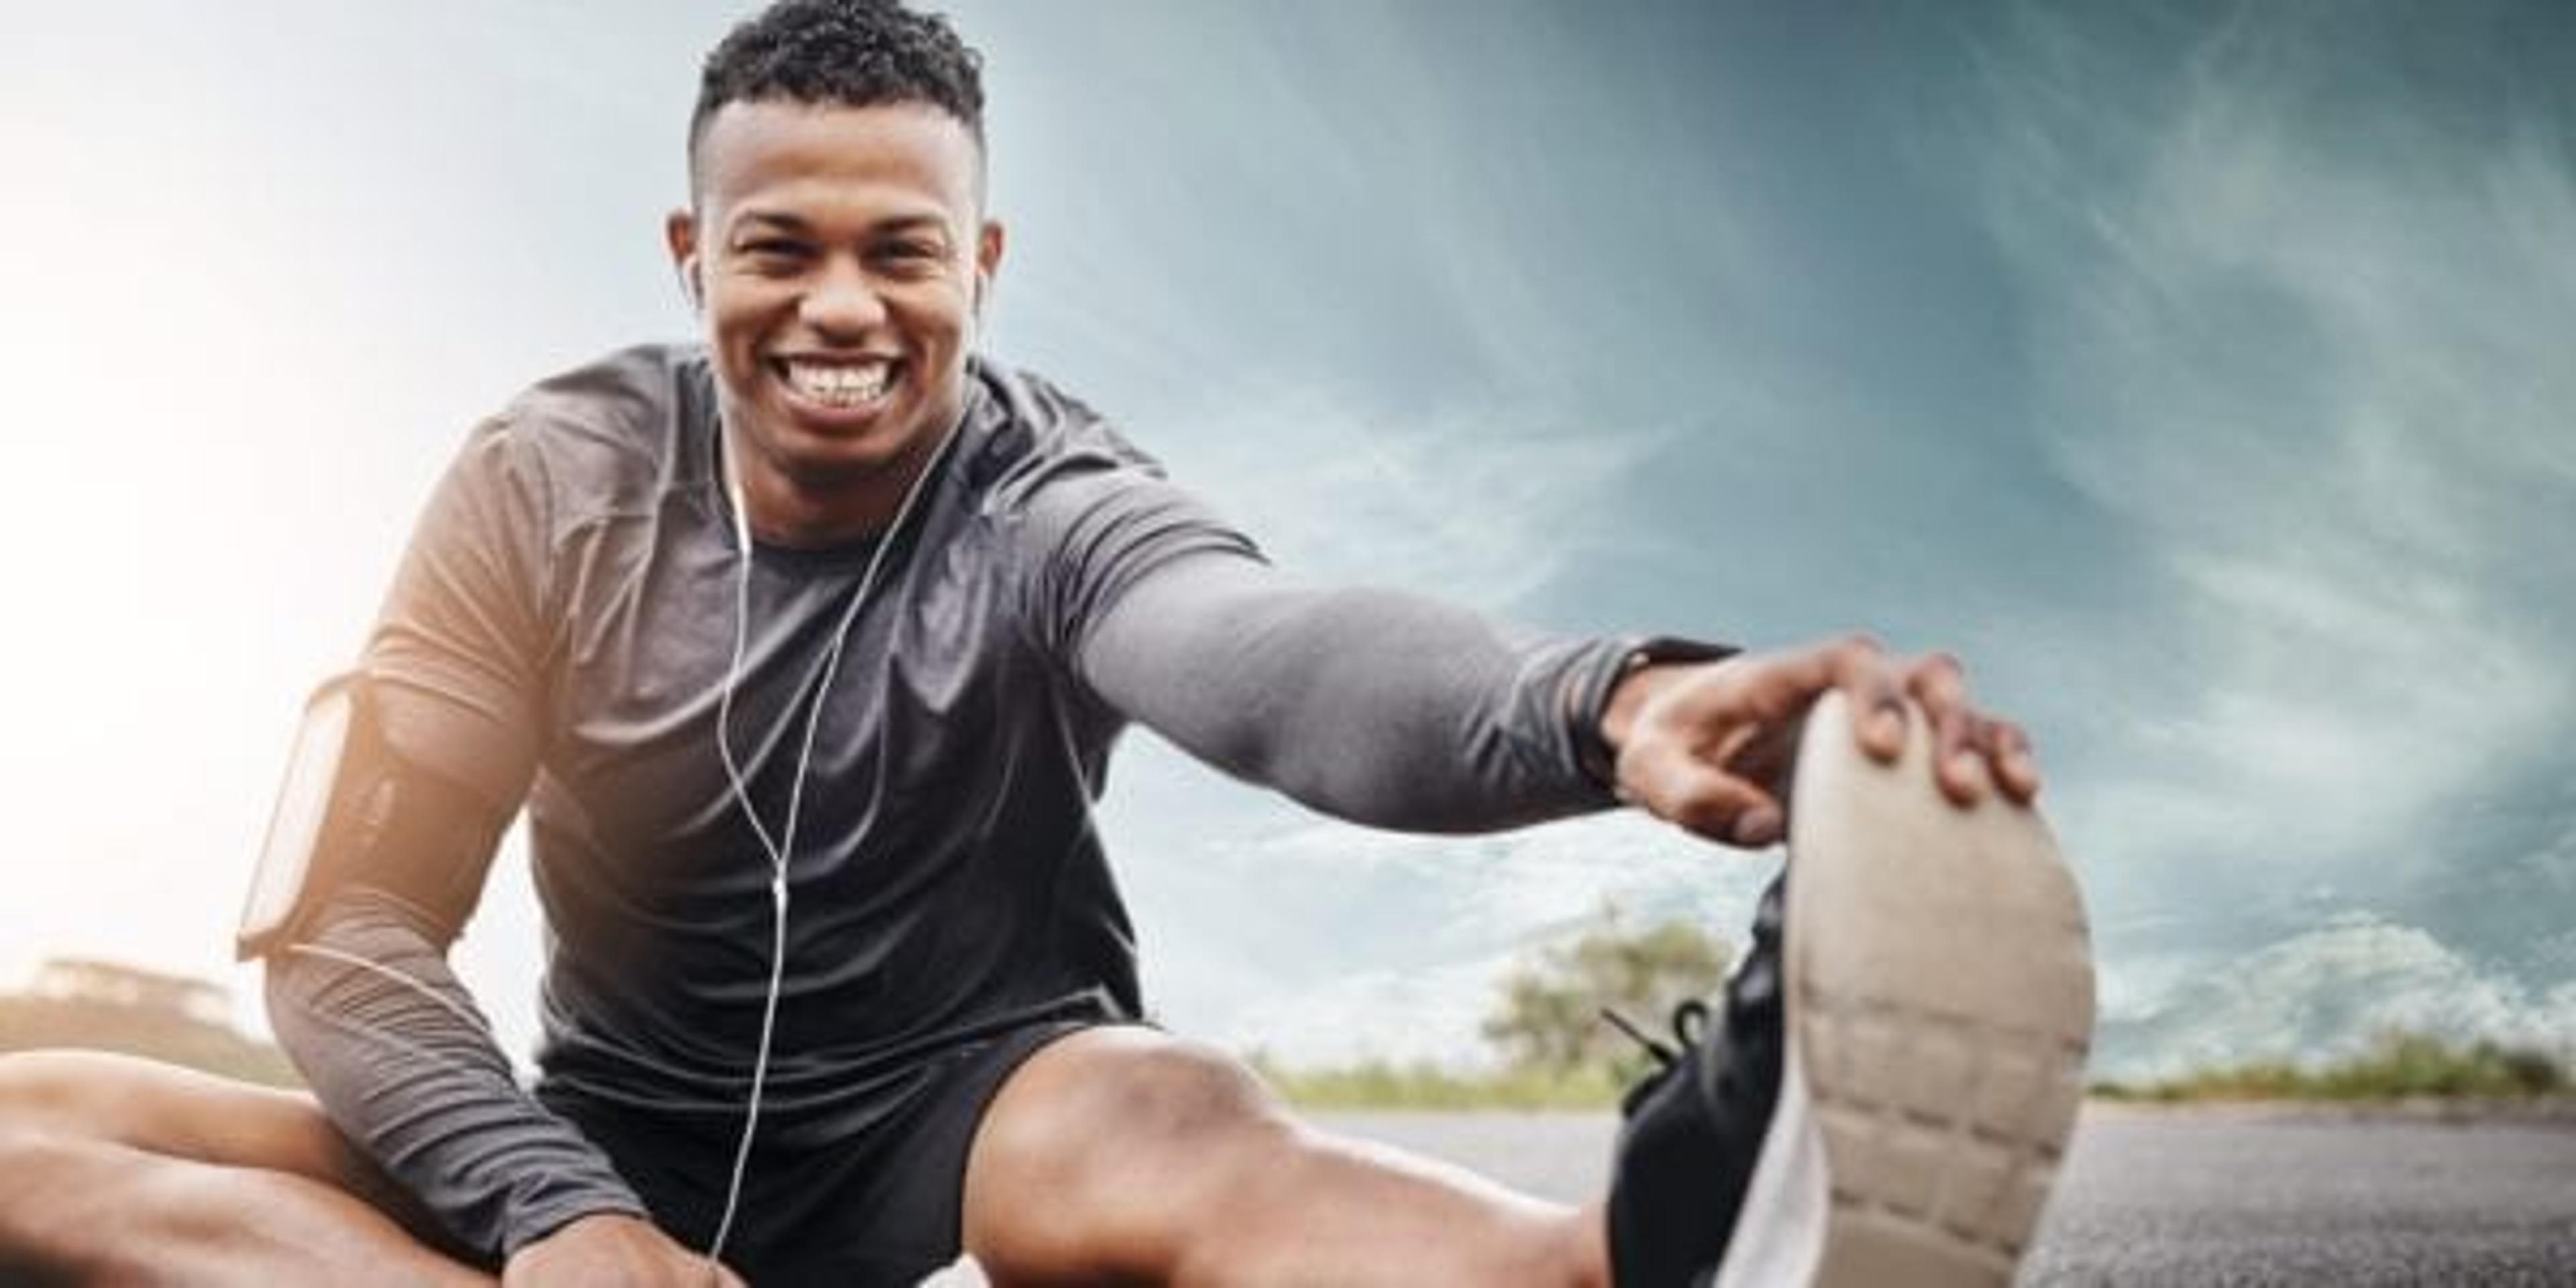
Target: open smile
(837, 385)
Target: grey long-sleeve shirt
(560, 631)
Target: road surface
(2199, 1197)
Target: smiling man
(840, 260)
(804, 649)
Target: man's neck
(824, 509)
(786, 511)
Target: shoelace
(1690, 1024)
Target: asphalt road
(2198, 1197)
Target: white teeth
(837, 384)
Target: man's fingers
(2016, 767)
(1691, 793)
(1713, 754)
(1940, 683)
(1959, 737)
(1858, 667)
(1767, 696)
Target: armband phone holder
(338, 720)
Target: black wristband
(1592, 750)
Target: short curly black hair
(852, 53)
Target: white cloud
(1402, 1016)
(1423, 928)
(1481, 501)
(2328, 992)
(2307, 341)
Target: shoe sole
(1940, 1008)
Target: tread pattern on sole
(1941, 991)
(1938, 1122)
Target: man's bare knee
(78, 1209)
(1114, 1094)
(1105, 1148)
(67, 1092)
(181, 1113)
(1185, 1094)
(100, 1095)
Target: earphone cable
(780, 847)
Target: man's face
(839, 258)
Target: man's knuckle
(1938, 680)
(1858, 648)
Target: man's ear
(989, 242)
(680, 234)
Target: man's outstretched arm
(1377, 706)
(1399, 711)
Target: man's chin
(822, 460)
(827, 448)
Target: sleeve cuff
(536, 1223)
(1589, 697)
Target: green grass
(2398, 1066)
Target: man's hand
(1709, 745)
(612, 1251)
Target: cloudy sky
(2200, 373)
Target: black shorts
(865, 1198)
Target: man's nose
(843, 302)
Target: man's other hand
(1709, 746)
(617, 1250)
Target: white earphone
(781, 846)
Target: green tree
(1549, 1016)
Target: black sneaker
(1888, 1089)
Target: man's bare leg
(1123, 1155)
(1906, 923)
(121, 1171)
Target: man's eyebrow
(769, 219)
(782, 221)
(924, 222)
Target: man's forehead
(774, 145)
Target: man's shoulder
(612, 431)
(1070, 491)
(635, 395)
(1037, 436)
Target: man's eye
(772, 252)
(909, 253)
